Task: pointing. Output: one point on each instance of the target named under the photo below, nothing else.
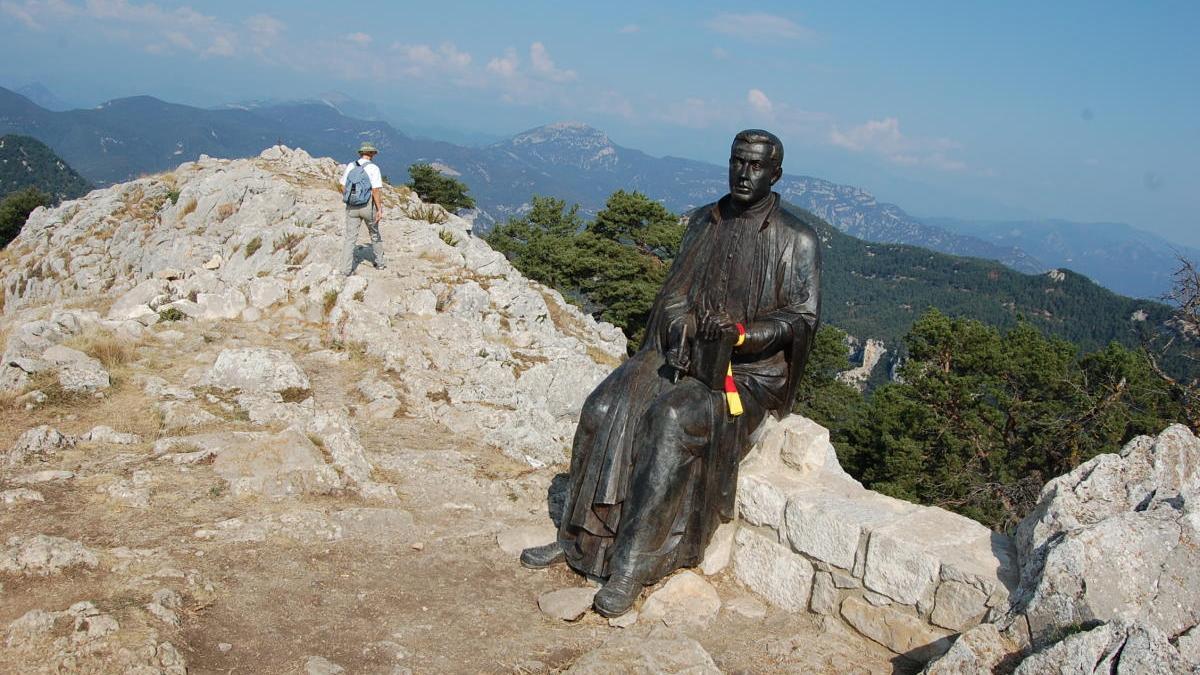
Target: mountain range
(124, 138)
(1124, 258)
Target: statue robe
(654, 461)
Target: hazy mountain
(126, 137)
(39, 94)
(1121, 257)
(27, 162)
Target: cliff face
(216, 452)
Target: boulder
(39, 443)
(773, 571)
(896, 629)
(256, 370)
(77, 372)
(686, 598)
(567, 604)
(1117, 538)
(978, 651)
(1116, 648)
(103, 434)
(286, 463)
(42, 555)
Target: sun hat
(367, 147)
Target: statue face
(751, 172)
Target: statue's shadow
(556, 498)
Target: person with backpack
(362, 192)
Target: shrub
(173, 195)
(15, 210)
(431, 186)
(253, 246)
(171, 314)
(330, 300)
(448, 238)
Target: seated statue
(655, 457)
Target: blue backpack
(358, 186)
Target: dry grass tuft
(224, 211)
(430, 213)
(104, 347)
(8, 400)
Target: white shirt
(372, 172)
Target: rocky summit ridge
(218, 454)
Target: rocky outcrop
(1108, 560)
(475, 344)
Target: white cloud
(360, 39)
(20, 13)
(757, 25)
(425, 61)
(759, 101)
(264, 30)
(544, 66)
(630, 28)
(884, 138)
(505, 66)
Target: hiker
(362, 191)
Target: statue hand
(715, 325)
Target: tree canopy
(433, 186)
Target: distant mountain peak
(566, 143)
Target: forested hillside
(27, 162)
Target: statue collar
(764, 210)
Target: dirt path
(419, 585)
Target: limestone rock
(20, 495)
(976, 652)
(772, 571)
(46, 476)
(42, 555)
(281, 464)
(103, 434)
(634, 655)
(256, 370)
(514, 540)
(77, 372)
(319, 665)
(824, 599)
(720, 549)
(1118, 538)
(1116, 648)
(567, 604)
(958, 605)
(686, 598)
(895, 629)
(178, 416)
(38, 443)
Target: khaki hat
(367, 147)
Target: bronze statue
(655, 457)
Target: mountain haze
(1119, 256)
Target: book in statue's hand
(710, 360)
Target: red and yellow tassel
(732, 398)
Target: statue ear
(776, 175)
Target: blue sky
(1085, 111)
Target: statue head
(755, 164)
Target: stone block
(824, 599)
(760, 502)
(829, 525)
(958, 606)
(773, 571)
(896, 629)
(720, 549)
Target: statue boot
(540, 557)
(617, 596)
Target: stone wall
(811, 538)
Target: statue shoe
(538, 557)
(617, 596)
